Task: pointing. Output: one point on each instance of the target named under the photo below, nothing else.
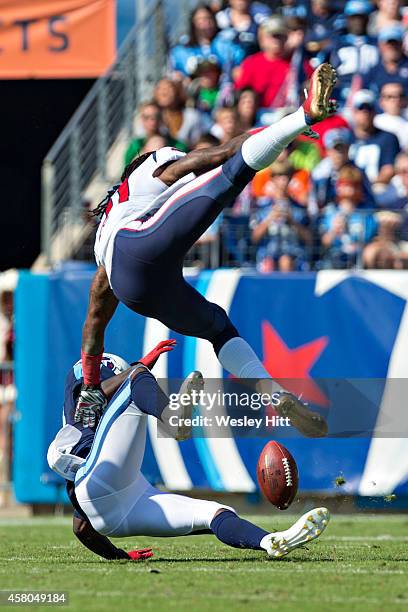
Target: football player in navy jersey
(110, 495)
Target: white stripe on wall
(227, 459)
(387, 460)
(166, 450)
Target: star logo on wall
(291, 366)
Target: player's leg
(167, 515)
(236, 532)
(189, 313)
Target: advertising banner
(56, 38)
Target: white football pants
(114, 494)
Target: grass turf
(360, 562)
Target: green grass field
(360, 563)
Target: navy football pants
(147, 264)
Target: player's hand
(90, 405)
(164, 346)
(143, 553)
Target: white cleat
(309, 527)
(193, 383)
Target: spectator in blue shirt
(345, 229)
(240, 21)
(354, 53)
(373, 150)
(204, 42)
(395, 197)
(326, 13)
(280, 227)
(324, 176)
(392, 66)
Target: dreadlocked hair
(100, 210)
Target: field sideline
(361, 562)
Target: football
(277, 475)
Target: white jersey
(137, 195)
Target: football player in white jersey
(165, 202)
(110, 495)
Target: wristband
(91, 368)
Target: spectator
(226, 126)
(318, 44)
(204, 90)
(280, 227)
(206, 141)
(392, 65)
(395, 197)
(393, 103)
(183, 124)
(387, 250)
(355, 52)
(266, 72)
(247, 109)
(205, 251)
(387, 13)
(326, 173)
(300, 69)
(373, 150)
(151, 124)
(203, 42)
(239, 23)
(154, 143)
(345, 229)
(293, 8)
(322, 13)
(6, 326)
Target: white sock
(261, 149)
(239, 359)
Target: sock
(240, 359)
(261, 149)
(236, 532)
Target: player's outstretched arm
(100, 544)
(101, 308)
(200, 161)
(102, 305)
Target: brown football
(277, 475)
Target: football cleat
(310, 424)
(193, 382)
(309, 527)
(318, 104)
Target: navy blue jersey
(379, 76)
(371, 154)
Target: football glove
(143, 553)
(90, 405)
(164, 346)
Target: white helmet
(114, 363)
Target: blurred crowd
(338, 202)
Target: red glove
(164, 346)
(143, 553)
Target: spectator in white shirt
(393, 103)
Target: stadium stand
(240, 64)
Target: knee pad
(222, 329)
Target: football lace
(288, 473)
